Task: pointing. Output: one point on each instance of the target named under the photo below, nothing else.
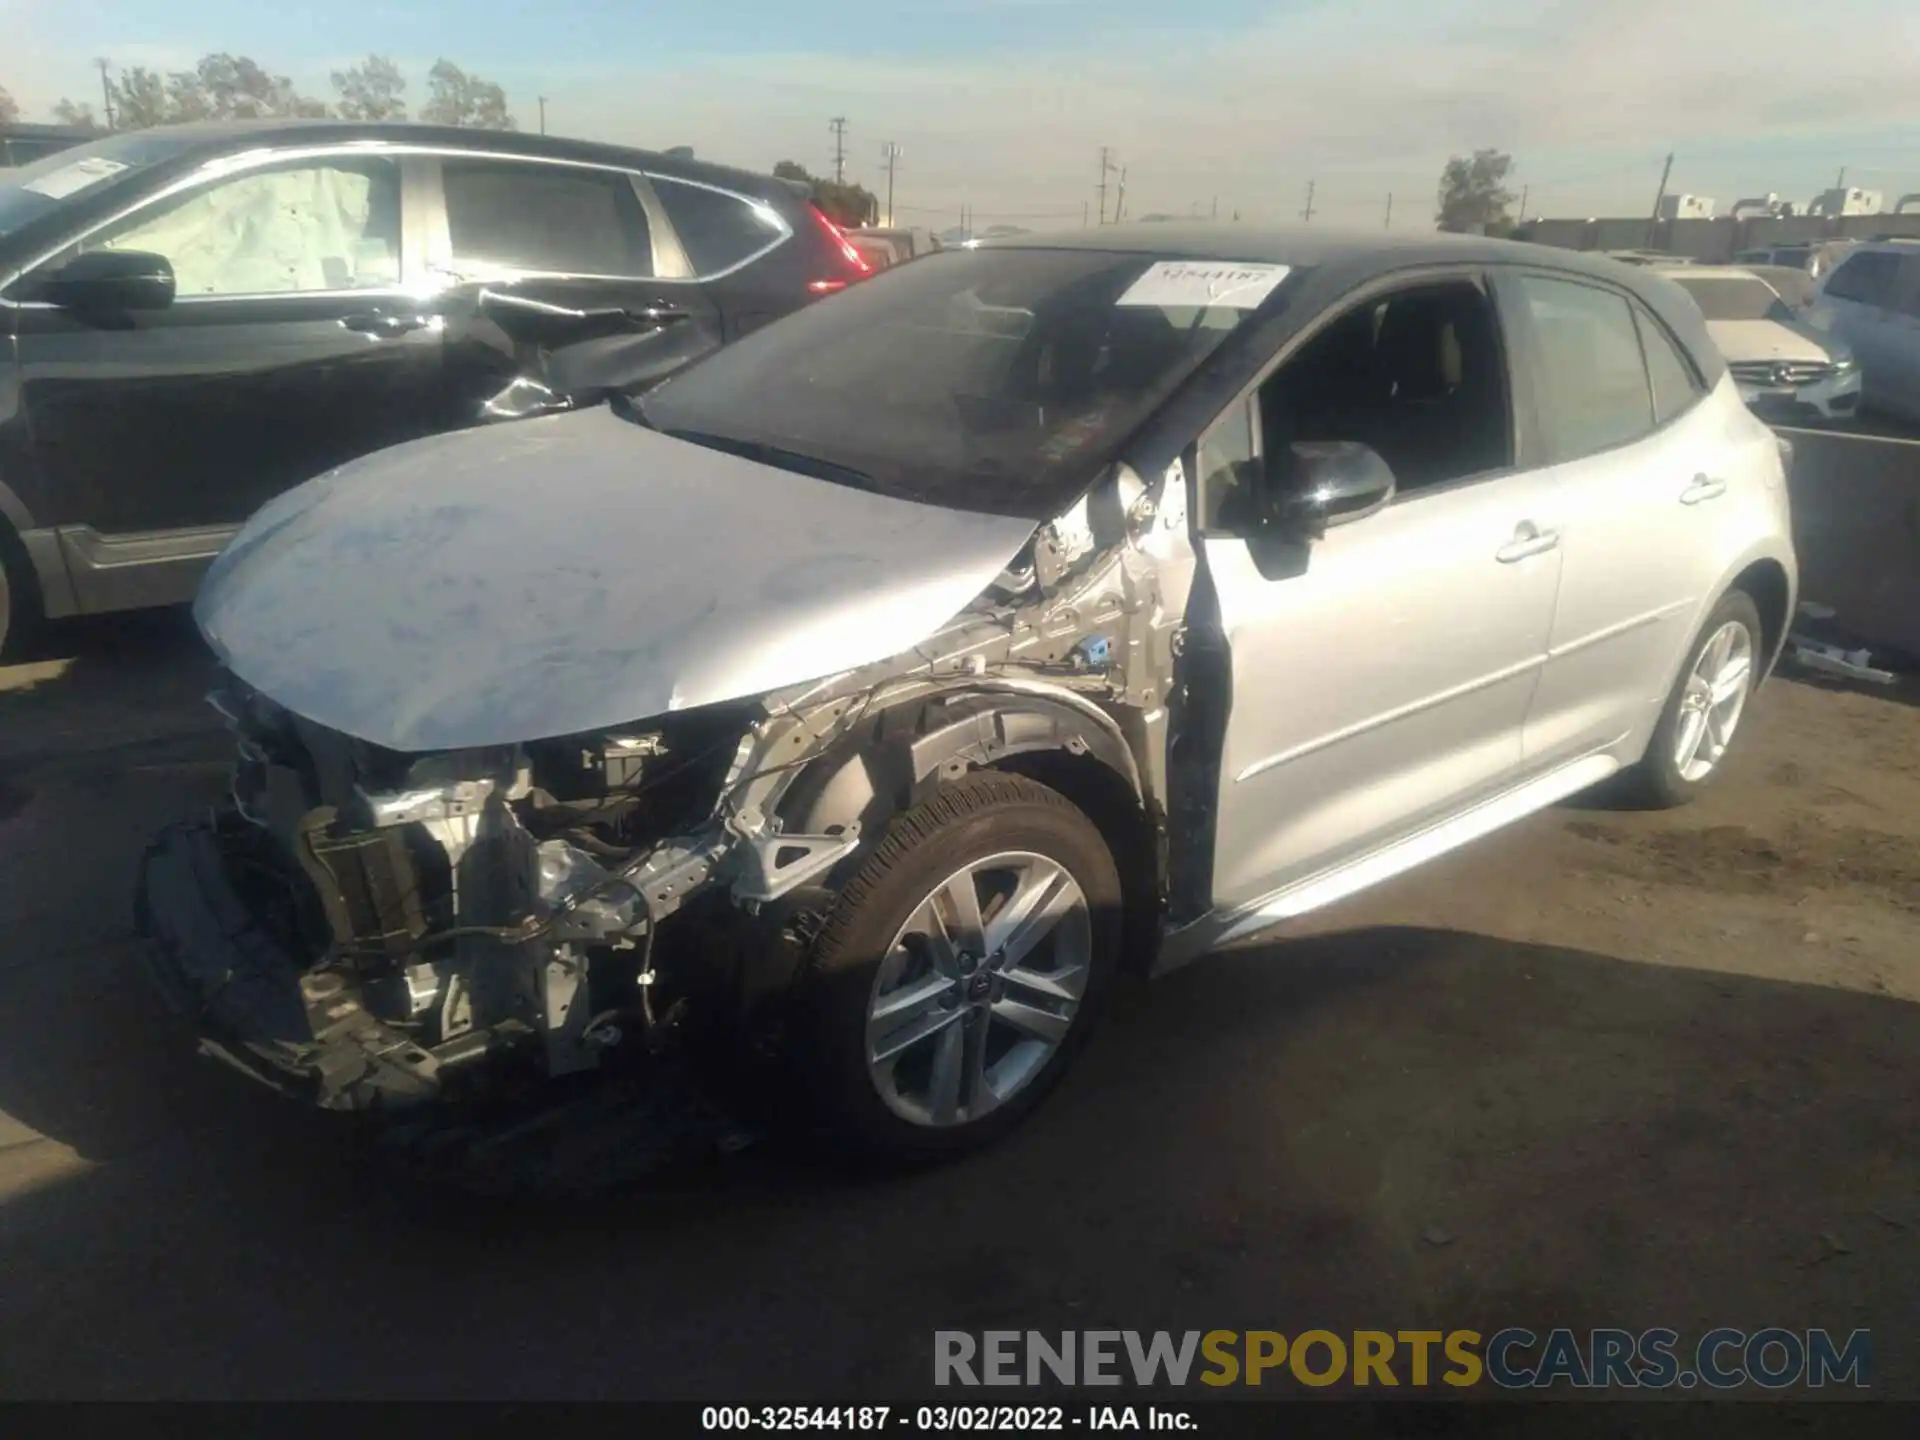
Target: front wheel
(1697, 726)
(961, 968)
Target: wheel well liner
(1766, 582)
(896, 760)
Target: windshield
(998, 381)
(41, 188)
(1733, 297)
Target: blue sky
(1003, 104)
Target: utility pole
(1665, 171)
(1120, 198)
(838, 125)
(1387, 224)
(892, 153)
(1083, 214)
(1106, 164)
(1841, 183)
(1306, 215)
(543, 114)
(106, 91)
(1524, 189)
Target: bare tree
(456, 98)
(374, 90)
(9, 111)
(75, 116)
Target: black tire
(19, 597)
(973, 819)
(1656, 783)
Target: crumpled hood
(573, 573)
(1751, 340)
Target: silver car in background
(856, 705)
(1788, 371)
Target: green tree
(140, 99)
(842, 202)
(220, 87)
(456, 98)
(373, 90)
(1474, 197)
(9, 111)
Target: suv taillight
(857, 267)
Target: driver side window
(1417, 375)
(283, 231)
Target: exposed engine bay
(426, 926)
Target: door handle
(657, 314)
(1528, 539)
(382, 324)
(1704, 487)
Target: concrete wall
(1856, 525)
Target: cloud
(1361, 98)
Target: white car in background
(1871, 303)
(1787, 370)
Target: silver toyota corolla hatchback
(855, 705)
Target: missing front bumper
(305, 1035)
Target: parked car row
(196, 318)
(854, 704)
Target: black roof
(1354, 257)
(211, 138)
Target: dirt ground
(1605, 1069)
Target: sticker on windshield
(1202, 283)
(72, 179)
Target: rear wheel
(962, 968)
(19, 608)
(1696, 729)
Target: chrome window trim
(429, 208)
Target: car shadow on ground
(1380, 1128)
(103, 680)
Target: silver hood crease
(574, 573)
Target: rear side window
(1906, 293)
(1590, 379)
(1675, 385)
(1867, 278)
(545, 219)
(717, 228)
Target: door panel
(198, 414)
(1383, 687)
(1639, 527)
(291, 346)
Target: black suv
(196, 318)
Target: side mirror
(1319, 483)
(110, 282)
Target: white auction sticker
(1232, 284)
(72, 179)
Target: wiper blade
(782, 459)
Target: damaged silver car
(859, 702)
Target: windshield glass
(41, 188)
(1733, 297)
(998, 381)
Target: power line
(838, 125)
